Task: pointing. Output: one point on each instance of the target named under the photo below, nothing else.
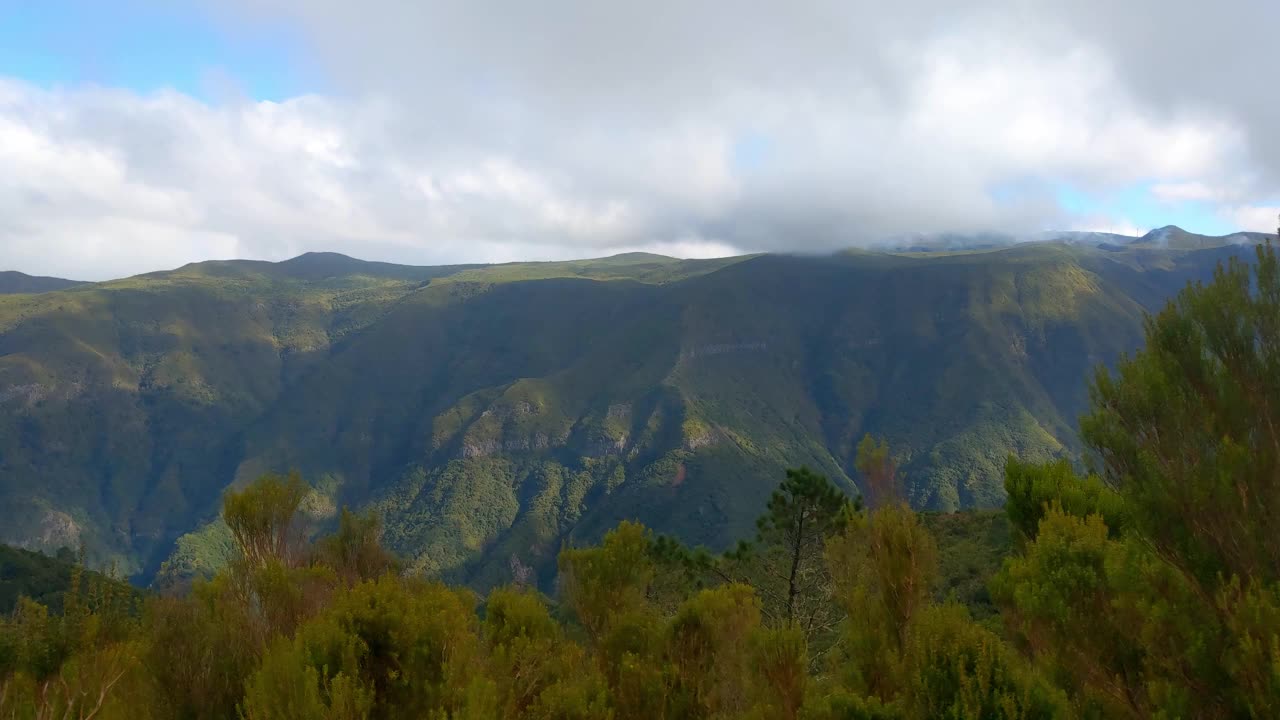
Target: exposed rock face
(32, 393)
(56, 529)
(602, 445)
(319, 506)
(512, 411)
(472, 448)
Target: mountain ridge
(14, 282)
(499, 411)
(314, 264)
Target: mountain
(492, 413)
(15, 282)
(1170, 236)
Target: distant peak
(12, 281)
(319, 255)
(1165, 231)
(1161, 236)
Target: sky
(140, 135)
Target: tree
(707, 646)
(263, 519)
(1165, 603)
(879, 471)
(355, 551)
(605, 583)
(956, 669)
(1188, 429)
(535, 670)
(1032, 488)
(780, 673)
(884, 565)
(788, 552)
(382, 649)
(1061, 601)
(200, 650)
(82, 663)
(271, 579)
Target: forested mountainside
(491, 413)
(1149, 589)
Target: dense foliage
(1147, 589)
(45, 579)
(642, 627)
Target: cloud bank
(481, 131)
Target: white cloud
(1115, 226)
(1256, 218)
(103, 184)
(490, 131)
(1171, 192)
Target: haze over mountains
(495, 412)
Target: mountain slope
(493, 413)
(12, 282)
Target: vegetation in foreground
(1150, 589)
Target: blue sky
(1137, 205)
(149, 46)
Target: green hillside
(492, 413)
(15, 282)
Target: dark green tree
(1031, 488)
(355, 551)
(605, 583)
(1188, 429)
(1167, 602)
(786, 562)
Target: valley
(492, 414)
